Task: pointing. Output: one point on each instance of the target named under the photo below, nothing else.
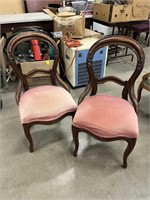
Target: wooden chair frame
(23, 85)
(128, 92)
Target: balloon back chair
(45, 104)
(107, 117)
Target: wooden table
(11, 22)
(123, 28)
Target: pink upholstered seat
(107, 116)
(45, 103)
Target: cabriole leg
(75, 133)
(26, 128)
(129, 149)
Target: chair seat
(107, 116)
(45, 103)
(141, 27)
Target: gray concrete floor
(52, 173)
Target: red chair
(46, 104)
(108, 117)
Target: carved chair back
(128, 86)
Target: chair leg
(147, 33)
(136, 35)
(75, 133)
(26, 128)
(148, 40)
(1, 102)
(129, 149)
(139, 92)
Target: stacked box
(111, 13)
(136, 10)
(140, 9)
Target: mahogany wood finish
(144, 84)
(23, 85)
(128, 92)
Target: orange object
(36, 50)
(70, 42)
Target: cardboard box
(140, 9)
(36, 81)
(11, 6)
(38, 78)
(111, 13)
(74, 25)
(92, 34)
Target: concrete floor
(52, 173)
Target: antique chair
(106, 117)
(144, 84)
(46, 104)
